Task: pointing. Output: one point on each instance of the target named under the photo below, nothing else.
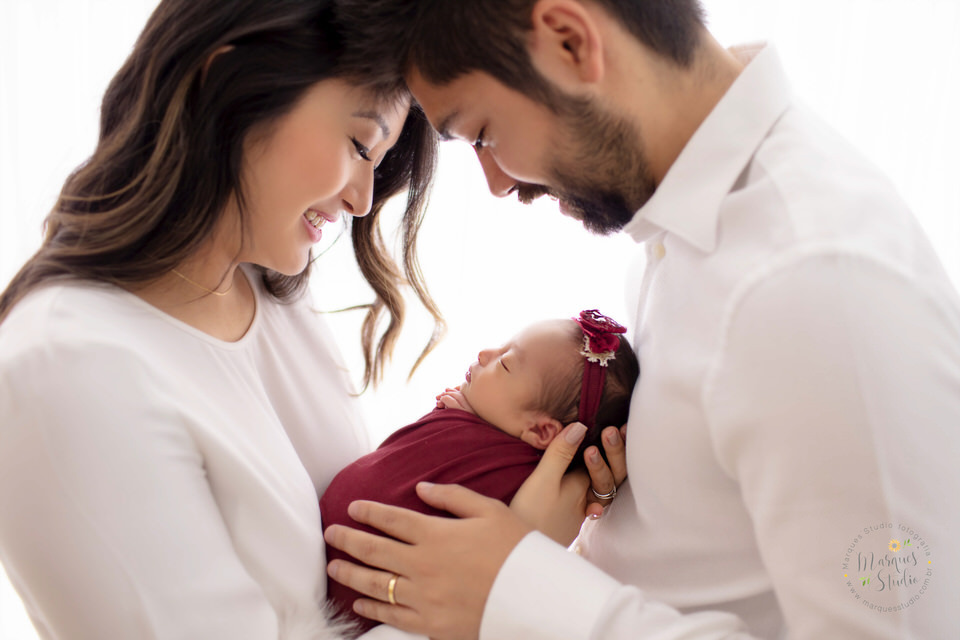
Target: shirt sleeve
(833, 402)
(386, 632)
(108, 528)
(544, 592)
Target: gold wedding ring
(392, 589)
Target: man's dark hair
(444, 39)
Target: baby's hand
(452, 398)
(446, 392)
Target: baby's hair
(560, 393)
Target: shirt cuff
(386, 632)
(545, 592)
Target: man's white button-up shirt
(793, 441)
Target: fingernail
(425, 486)
(575, 433)
(333, 568)
(594, 516)
(613, 437)
(353, 509)
(593, 455)
(359, 607)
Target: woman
(169, 406)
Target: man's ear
(565, 43)
(541, 431)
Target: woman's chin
(293, 267)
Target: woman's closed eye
(362, 150)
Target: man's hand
(446, 566)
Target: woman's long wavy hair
(173, 122)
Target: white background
(884, 72)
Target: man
(795, 424)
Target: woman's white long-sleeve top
(156, 482)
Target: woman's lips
(318, 218)
(313, 231)
(315, 219)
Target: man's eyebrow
(443, 129)
(376, 117)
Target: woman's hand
(605, 479)
(551, 500)
(556, 502)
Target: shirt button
(659, 251)
(577, 549)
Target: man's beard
(600, 172)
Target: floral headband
(600, 344)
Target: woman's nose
(357, 196)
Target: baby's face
(505, 382)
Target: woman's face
(310, 167)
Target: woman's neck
(207, 291)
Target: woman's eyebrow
(376, 117)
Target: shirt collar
(687, 201)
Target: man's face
(588, 158)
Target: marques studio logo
(887, 567)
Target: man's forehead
(437, 102)
(445, 105)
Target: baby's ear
(541, 431)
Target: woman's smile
(315, 220)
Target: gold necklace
(200, 286)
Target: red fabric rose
(601, 331)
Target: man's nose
(499, 182)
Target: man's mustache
(527, 193)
